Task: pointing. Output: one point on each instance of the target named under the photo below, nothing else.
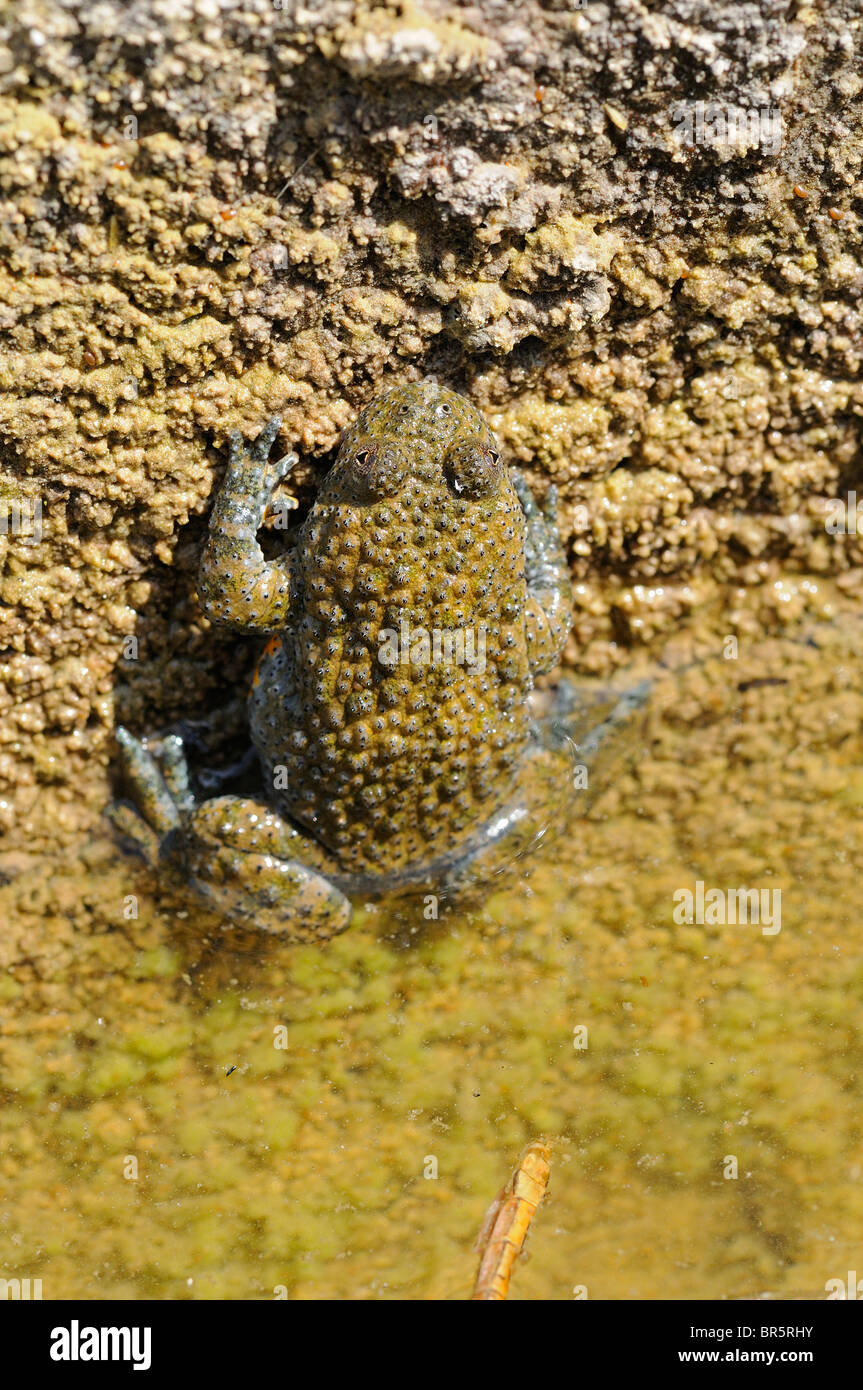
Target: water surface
(416, 1047)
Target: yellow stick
(507, 1220)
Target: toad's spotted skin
(388, 761)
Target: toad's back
(392, 714)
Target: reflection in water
(700, 1079)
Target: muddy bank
(210, 212)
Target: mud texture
(211, 212)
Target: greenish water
(132, 1166)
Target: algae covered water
(698, 1080)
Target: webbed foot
(236, 852)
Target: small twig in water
(501, 1239)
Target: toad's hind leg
(240, 856)
(589, 719)
(583, 741)
(538, 816)
(244, 859)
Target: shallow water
(454, 1041)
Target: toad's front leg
(245, 860)
(237, 587)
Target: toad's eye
(376, 468)
(473, 468)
